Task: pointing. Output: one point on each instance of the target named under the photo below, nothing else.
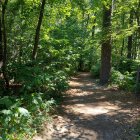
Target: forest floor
(93, 112)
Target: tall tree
(123, 40)
(1, 48)
(137, 14)
(4, 42)
(37, 34)
(130, 37)
(106, 46)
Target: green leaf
(6, 112)
(6, 101)
(23, 111)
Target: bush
(40, 87)
(22, 116)
(95, 70)
(124, 81)
(128, 65)
(39, 78)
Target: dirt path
(91, 112)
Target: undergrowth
(33, 94)
(21, 118)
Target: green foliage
(137, 88)
(6, 102)
(125, 76)
(124, 81)
(71, 33)
(95, 70)
(40, 78)
(26, 113)
(128, 65)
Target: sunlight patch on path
(92, 110)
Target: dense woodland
(44, 42)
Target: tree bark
(123, 40)
(4, 42)
(93, 28)
(106, 47)
(37, 34)
(122, 48)
(138, 17)
(1, 48)
(134, 52)
(130, 38)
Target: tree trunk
(4, 42)
(138, 17)
(1, 48)
(123, 41)
(134, 53)
(93, 28)
(106, 47)
(122, 48)
(130, 38)
(37, 34)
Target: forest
(43, 43)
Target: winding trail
(93, 112)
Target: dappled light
(69, 69)
(90, 110)
(93, 114)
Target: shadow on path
(93, 112)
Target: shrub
(95, 70)
(23, 116)
(39, 78)
(128, 65)
(124, 81)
